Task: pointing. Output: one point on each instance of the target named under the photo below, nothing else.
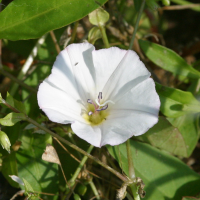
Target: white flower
(106, 95)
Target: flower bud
(76, 197)
(166, 2)
(5, 142)
(81, 190)
(99, 17)
(94, 35)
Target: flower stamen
(90, 113)
(90, 101)
(100, 96)
(97, 112)
(103, 108)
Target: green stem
(74, 32)
(132, 176)
(74, 177)
(183, 2)
(5, 73)
(94, 189)
(137, 23)
(134, 190)
(130, 161)
(120, 176)
(53, 37)
(104, 36)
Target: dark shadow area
(184, 29)
(6, 190)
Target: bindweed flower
(107, 95)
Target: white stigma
(109, 101)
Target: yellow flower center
(97, 117)
(96, 112)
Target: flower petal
(105, 63)
(58, 105)
(83, 69)
(143, 98)
(91, 134)
(133, 114)
(62, 75)
(129, 72)
(73, 71)
(122, 125)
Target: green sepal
(99, 17)
(94, 34)
(81, 189)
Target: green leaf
(27, 186)
(4, 141)
(164, 136)
(41, 175)
(12, 118)
(178, 136)
(13, 132)
(10, 168)
(188, 125)
(36, 17)
(1, 99)
(29, 190)
(175, 102)
(165, 176)
(16, 104)
(168, 59)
